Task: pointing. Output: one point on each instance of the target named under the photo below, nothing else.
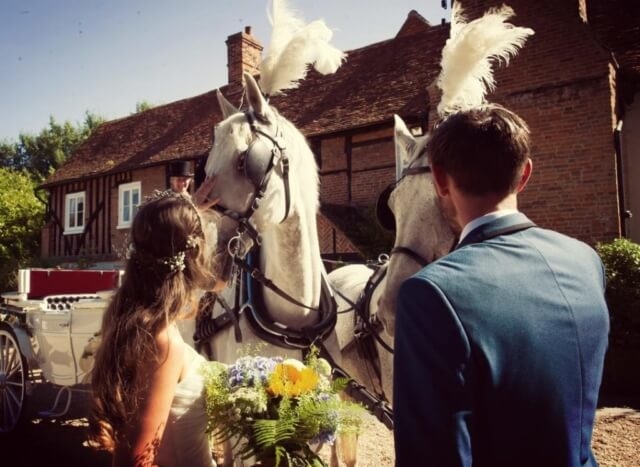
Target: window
(74, 213)
(128, 202)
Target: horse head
(422, 233)
(266, 175)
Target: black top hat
(180, 169)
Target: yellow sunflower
(292, 378)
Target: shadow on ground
(51, 442)
(619, 400)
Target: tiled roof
(179, 130)
(374, 83)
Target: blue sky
(61, 58)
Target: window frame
(68, 198)
(122, 189)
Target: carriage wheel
(13, 380)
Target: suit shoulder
(565, 242)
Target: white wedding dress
(185, 443)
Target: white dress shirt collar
(478, 221)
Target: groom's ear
(441, 181)
(526, 174)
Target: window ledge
(73, 231)
(123, 226)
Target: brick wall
(152, 178)
(332, 240)
(356, 167)
(561, 84)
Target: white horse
(267, 190)
(422, 235)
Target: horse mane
(302, 162)
(293, 47)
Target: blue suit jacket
(499, 349)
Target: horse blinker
(384, 214)
(256, 162)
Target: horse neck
(290, 257)
(426, 233)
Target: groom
(499, 346)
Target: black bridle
(404, 250)
(257, 164)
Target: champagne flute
(347, 447)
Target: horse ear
(254, 96)
(403, 141)
(226, 107)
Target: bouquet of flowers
(272, 409)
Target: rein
(417, 257)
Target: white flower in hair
(175, 262)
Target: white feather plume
(467, 72)
(294, 46)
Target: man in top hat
(180, 176)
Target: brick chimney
(243, 54)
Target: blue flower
(325, 436)
(251, 371)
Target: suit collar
(501, 226)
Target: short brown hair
(483, 149)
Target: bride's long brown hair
(167, 264)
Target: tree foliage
(23, 166)
(42, 154)
(21, 220)
(142, 106)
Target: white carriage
(48, 332)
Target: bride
(147, 393)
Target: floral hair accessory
(176, 262)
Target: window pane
(136, 197)
(80, 216)
(71, 215)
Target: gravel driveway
(41, 442)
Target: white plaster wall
(631, 166)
